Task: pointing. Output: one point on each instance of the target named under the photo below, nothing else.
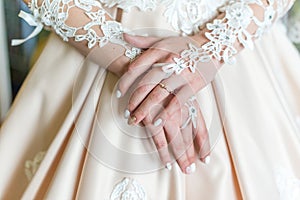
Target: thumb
(141, 41)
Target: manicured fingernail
(158, 122)
(131, 120)
(169, 166)
(126, 114)
(207, 160)
(191, 169)
(118, 94)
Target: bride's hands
(156, 85)
(161, 54)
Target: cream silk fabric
(67, 109)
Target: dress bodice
(180, 15)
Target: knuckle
(140, 113)
(168, 116)
(156, 95)
(160, 144)
(143, 88)
(175, 102)
(179, 150)
(147, 120)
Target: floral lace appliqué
(128, 189)
(31, 166)
(55, 13)
(192, 112)
(188, 15)
(183, 15)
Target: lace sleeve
(238, 24)
(79, 20)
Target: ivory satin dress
(65, 136)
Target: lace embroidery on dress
(128, 189)
(183, 15)
(288, 185)
(189, 15)
(31, 166)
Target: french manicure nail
(169, 166)
(158, 122)
(191, 169)
(126, 114)
(118, 94)
(207, 160)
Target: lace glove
(83, 23)
(239, 23)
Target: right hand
(177, 143)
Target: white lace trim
(288, 185)
(233, 27)
(31, 166)
(224, 33)
(128, 189)
(54, 14)
(184, 15)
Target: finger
(141, 41)
(176, 103)
(161, 143)
(202, 138)
(188, 137)
(179, 148)
(157, 95)
(148, 83)
(139, 66)
(159, 137)
(144, 87)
